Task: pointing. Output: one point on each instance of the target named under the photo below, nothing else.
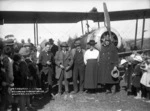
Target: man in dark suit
(54, 48)
(78, 67)
(46, 58)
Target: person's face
(38, 48)
(134, 52)
(51, 42)
(107, 42)
(91, 47)
(64, 48)
(78, 48)
(47, 47)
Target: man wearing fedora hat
(90, 60)
(64, 61)
(78, 66)
(108, 59)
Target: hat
(138, 58)
(92, 42)
(123, 61)
(64, 44)
(9, 42)
(115, 73)
(24, 51)
(77, 43)
(27, 45)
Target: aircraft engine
(99, 34)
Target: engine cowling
(98, 35)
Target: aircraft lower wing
(124, 54)
(69, 17)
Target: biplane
(29, 17)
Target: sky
(63, 31)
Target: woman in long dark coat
(90, 59)
(107, 60)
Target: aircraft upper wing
(69, 17)
(46, 17)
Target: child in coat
(145, 80)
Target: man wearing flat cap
(64, 61)
(78, 66)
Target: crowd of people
(27, 66)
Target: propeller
(107, 19)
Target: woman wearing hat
(108, 59)
(64, 61)
(90, 59)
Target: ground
(93, 102)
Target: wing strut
(87, 24)
(136, 28)
(82, 27)
(143, 29)
(35, 33)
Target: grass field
(95, 102)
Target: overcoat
(65, 60)
(107, 60)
